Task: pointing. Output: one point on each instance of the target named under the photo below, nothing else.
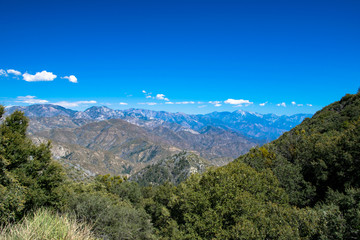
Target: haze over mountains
(103, 140)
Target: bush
(111, 218)
(45, 225)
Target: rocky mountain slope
(174, 169)
(88, 161)
(125, 140)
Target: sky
(282, 57)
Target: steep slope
(88, 161)
(99, 113)
(123, 139)
(38, 124)
(174, 169)
(215, 144)
(320, 155)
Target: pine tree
(28, 176)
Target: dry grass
(45, 225)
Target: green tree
(238, 202)
(29, 177)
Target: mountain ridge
(264, 127)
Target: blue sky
(283, 57)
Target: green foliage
(326, 147)
(348, 205)
(127, 191)
(157, 204)
(232, 202)
(12, 200)
(316, 162)
(291, 179)
(29, 177)
(111, 217)
(332, 224)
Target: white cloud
(263, 104)
(39, 76)
(239, 102)
(300, 105)
(281, 104)
(216, 103)
(293, 103)
(309, 105)
(15, 72)
(3, 72)
(30, 100)
(123, 103)
(71, 78)
(67, 104)
(148, 103)
(147, 94)
(185, 102)
(161, 97)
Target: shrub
(111, 218)
(45, 225)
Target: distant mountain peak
(43, 110)
(240, 111)
(98, 108)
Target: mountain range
(103, 140)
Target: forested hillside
(174, 169)
(304, 185)
(318, 164)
